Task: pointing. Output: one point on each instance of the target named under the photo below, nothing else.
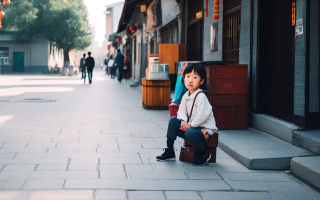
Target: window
(170, 34)
(4, 56)
(231, 39)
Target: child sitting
(195, 117)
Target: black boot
(168, 154)
(202, 158)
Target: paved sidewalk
(61, 139)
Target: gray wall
(314, 57)
(254, 66)
(244, 54)
(207, 54)
(300, 66)
(36, 56)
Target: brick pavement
(61, 139)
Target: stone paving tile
(192, 185)
(63, 175)
(217, 195)
(10, 168)
(7, 155)
(110, 194)
(84, 160)
(82, 167)
(43, 167)
(179, 195)
(249, 185)
(15, 195)
(42, 145)
(143, 168)
(158, 175)
(62, 195)
(255, 176)
(44, 184)
(14, 145)
(203, 175)
(121, 184)
(146, 195)
(11, 185)
(114, 167)
(112, 175)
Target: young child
(194, 122)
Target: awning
(127, 11)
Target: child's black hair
(200, 70)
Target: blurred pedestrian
(90, 65)
(112, 67)
(119, 63)
(126, 68)
(83, 67)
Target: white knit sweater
(202, 114)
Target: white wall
(116, 14)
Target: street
(62, 139)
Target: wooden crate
(156, 94)
(227, 89)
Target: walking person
(126, 68)
(90, 65)
(83, 67)
(195, 121)
(111, 66)
(119, 63)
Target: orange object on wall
(170, 54)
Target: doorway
(18, 61)
(195, 30)
(276, 59)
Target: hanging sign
(199, 15)
(293, 13)
(299, 27)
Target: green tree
(63, 22)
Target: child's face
(192, 81)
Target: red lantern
(215, 16)
(216, 1)
(128, 32)
(133, 29)
(1, 14)
(118, 40)
(6, 2)
(216, 9)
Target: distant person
(126, 68)
(90, 65)
(105, 62)
(112, 67)
(119, 63)
(83, 67)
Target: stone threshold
(258, 150)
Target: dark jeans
(113, 72)
(90, 75)
(120, 74)
(84, 74)
(192, 135)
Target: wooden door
(18, 61)
(276, 59)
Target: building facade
(36, 56)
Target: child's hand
(184, 126)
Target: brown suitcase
(187, 153)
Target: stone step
(307, 169)
(307, 139)
(258, 150)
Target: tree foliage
(63, 22)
